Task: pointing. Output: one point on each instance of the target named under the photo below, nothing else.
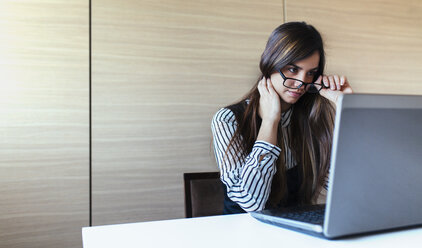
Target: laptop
(375, 180)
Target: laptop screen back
(376, 165)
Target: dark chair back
(204, 194)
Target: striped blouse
(248, 179)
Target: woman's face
(304, 70)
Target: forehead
(309, 62)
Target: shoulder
(224, 115)
(231, 114)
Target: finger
(319, 80)
(346, 84)
(263, 86)
(262, 81)
(337, 81)
(325, 81)
(348, 90)
(270, 86)
(342, 80)
(332, 83)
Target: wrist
(268, 131)
(270, 122)
(274, 120)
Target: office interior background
(98, 129)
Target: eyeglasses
(293, 83)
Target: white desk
(239, 230)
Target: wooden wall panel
(44, 124)
(161, 69)
(377, 44)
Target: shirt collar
(286, 116)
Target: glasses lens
(296, 84)
(292, 84)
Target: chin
(291, 100)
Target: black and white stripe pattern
(248, 179)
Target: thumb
(319, 81)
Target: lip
(294, 94)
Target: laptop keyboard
(310, 214)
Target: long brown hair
(312, 119)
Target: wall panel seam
(90, 109)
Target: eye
(292, 70)
(312, 73)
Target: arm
(248, 180)
(336, 86)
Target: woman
(273, 146)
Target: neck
(285, 106)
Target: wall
(44, 128)
(160, 71)
(377, 44)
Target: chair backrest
(204, 194)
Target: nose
(302, 77)
(298, 84)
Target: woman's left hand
(338, 85)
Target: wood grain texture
(161, 69)
(376, 43)
(44, 128)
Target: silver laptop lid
(376, 165)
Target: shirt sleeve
(248, 179)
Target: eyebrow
(316, 68)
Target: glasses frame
(302, 83)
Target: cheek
(279, 88)
(277, 82)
